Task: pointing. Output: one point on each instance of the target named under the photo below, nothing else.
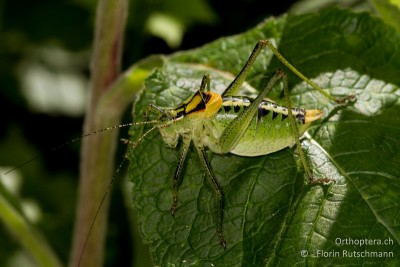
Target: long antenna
(132, 147)
(78, 139)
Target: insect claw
(221, 238)
(344, 100)
(322, 181)
(129, 142)
(125, 141)
(222, 243)
(173, 210)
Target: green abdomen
(269, 130)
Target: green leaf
(271, 214)
(389, 10)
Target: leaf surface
(272, 217)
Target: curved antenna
(132, 147)
(78, 139)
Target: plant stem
(99, 150)
(32, 241)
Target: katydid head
(213, 105)
(201, 105)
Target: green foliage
(389, 10)
(271, 214)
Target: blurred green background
(45, 48)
